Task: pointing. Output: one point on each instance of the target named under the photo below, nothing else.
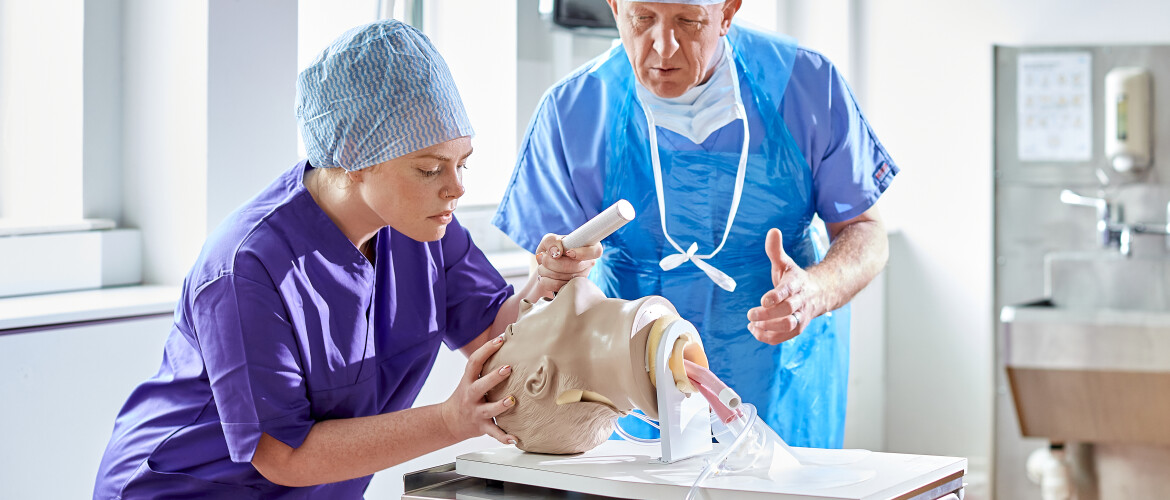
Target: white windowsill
(31, 311)
(48, 309)
(510, 264)
(18, 227)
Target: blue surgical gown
(812, 152)
(283, 323)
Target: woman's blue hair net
(378, 92)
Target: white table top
(628, 470)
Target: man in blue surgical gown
(727, 141)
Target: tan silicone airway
(709, 386)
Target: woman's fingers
(480, 356)
(585, 253)
(481, 386)
(496, 432)
(554, 274)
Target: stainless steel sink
(1107, 280)
(1090, 374)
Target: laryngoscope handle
(600, 226)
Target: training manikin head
(578, 361)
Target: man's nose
(664, 42)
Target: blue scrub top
(811, 151)
(283, 323)
(559, 173)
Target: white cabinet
(60, 390)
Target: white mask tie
(673, 261)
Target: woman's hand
(466, 413)
(556, 265)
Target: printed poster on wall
(1054, 106)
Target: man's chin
(662, 87)
(667, 90)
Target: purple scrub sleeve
(474, 296)
(251, 362)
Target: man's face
(670, 45)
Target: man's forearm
(856, 256)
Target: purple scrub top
(283, 323)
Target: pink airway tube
(710, 387)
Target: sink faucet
(1111, 227)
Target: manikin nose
(664, 42)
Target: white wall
(101, 131)
(207, 117)
(251, 89)
(927, 73)
(164, 134)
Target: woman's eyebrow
(442, 157)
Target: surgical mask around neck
(720, 115)
(701, 110)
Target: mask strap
(672, 261)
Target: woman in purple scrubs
(314, 312)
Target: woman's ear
(356, 176)
(539, 383)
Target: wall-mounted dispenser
(1128, 113)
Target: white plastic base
(684, 421)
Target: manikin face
(578, 361)
(671, 45)
(416, 193)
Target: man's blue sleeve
(556, 185)
(851, 169)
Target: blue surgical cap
(378, 92)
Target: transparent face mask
(749, 447)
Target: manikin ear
(539, 382)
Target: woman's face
(416, 193)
